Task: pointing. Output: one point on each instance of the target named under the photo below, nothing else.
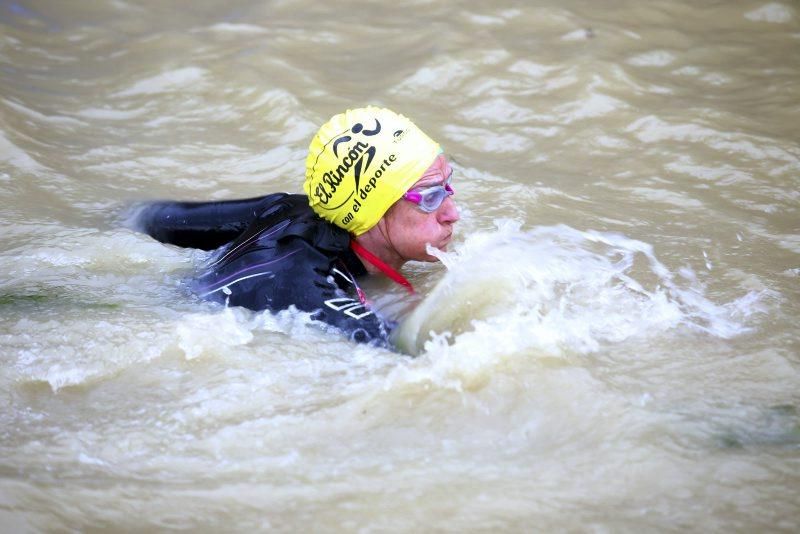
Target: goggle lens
(430, 198)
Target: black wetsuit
(275, 252)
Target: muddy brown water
(610, 345)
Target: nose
(448, 212)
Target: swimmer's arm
(340, 305)
(203, 225)
(356, 320)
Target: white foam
(530, 68)
(558, 290)
(200, 333)
(589, 106)
(654, 58)
(41, 117)
(17, 157)
(446, 73)
(498, 110)
(652, 129)
(578, 35)
(110, 114)
(228, 27)
(165, 82)
(773, 12)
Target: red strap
(377, 262)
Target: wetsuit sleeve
(203, 225)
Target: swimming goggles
(430, 198)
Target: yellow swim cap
(361, 162)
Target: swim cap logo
(356, 129)
(358, 157)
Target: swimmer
(377, 192)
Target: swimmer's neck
(376, 242)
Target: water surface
(609, 345)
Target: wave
(555, 289)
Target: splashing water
(556, 289)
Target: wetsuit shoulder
(290, 257)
